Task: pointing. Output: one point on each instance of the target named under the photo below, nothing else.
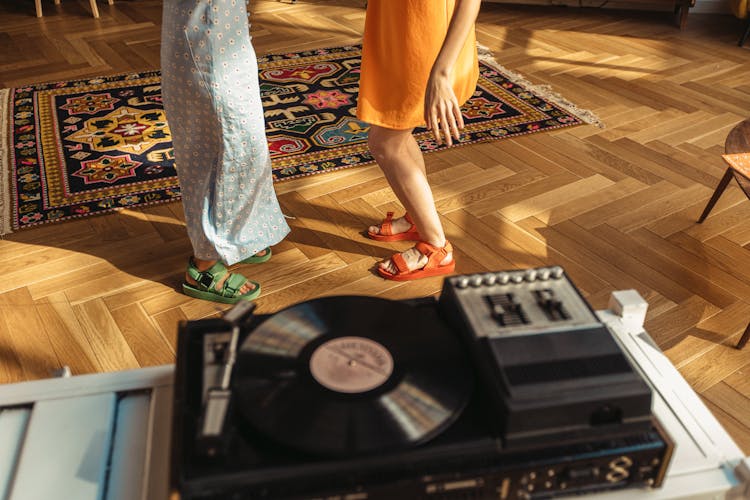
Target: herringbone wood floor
(615, 206)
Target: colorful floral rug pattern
(89, 146)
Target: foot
(398, 226)
(390, 229)
(257, 258)
(203, 265)
(414, 260)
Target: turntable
(352, 397)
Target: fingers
(434, 125)
(450, 123)
(456, 122)
(459, 117)
(444, 119)
(447, 123)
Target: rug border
(544, 91)
(5, 170)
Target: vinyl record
(348, 375)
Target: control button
(462, 282)
(498, 312)
(489, 279)
(502, 278)
(517, 278)
(623, 461)
(475, 280)
(556, 272)
(530, 275)
(544, 274)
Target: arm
(442, 112)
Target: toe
(373, 230)
(387, 265)
(248, 287)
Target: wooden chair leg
(745, 337)
(723, 183)
(94, 8)
(684, 14)
(745, 34)
(38, 4)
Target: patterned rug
(76, 148)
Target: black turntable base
(364, 398)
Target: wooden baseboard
(701, 6)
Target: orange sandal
(435, 255)
(386, 231)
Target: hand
(441, 110)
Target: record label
(351, 364)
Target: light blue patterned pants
(212, 102)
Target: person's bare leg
(398, 155)
(400, 224)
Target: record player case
(467, 460)
(707, 463)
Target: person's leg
(191, 115)
(398, 155)
(242, 215)
(401, 224)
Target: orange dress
(401, 42)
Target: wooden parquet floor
(617, 206)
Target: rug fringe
(5, 200)
(543, 91)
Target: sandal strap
(435, 255)
(386, 227)
(232, 285)
(400, 262)
(207, 279)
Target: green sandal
(257, 259)
(206, 285)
